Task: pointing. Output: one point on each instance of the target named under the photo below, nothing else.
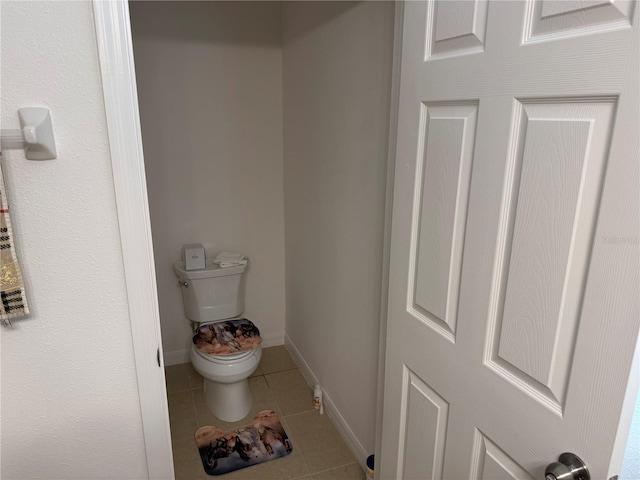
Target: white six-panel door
(514, 300)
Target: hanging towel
(229, 259)
(14, 300)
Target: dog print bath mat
(223, 451)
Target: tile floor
(319, 453)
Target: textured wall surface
(337, 59)
(70, 406)
(210, 90)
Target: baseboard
(176, 357)
(272, 340)
(329, 407)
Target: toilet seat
(223, 359)
(226, 341)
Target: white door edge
(113, 32)
(388, 210)
(628, 407)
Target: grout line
(294, 441)
(284, 420)
(267, 382)
(275, 399)
(299, 413)
(200, 381)
(280, 371)
(193, 405)
(336, 467)
(178, 391)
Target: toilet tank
(215, 293)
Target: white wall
(210, 90)
(337, 59)
(70, 405)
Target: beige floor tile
(187, 471)
(195, 379)
(318, 451)
(291, 391)
(182, 417)
(276, 359)
(260, 391)
(320, 443)
(177, 377)
(257, 373)
(263, 399)
(289, 467)
(186, 460)
(183, 441)
(285, 468)
(255, 472)
(190, 469)
(182, 377)
(348, 472)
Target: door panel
(549, 209)
(455, 27)
(514, 298)
(441, 199)
(424, 423)
(560, 18)
(489, 462)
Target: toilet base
(229, 402)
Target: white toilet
(226, 349)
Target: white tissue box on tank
(194, 257)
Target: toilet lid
(229, 337)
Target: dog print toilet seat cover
(229, 337)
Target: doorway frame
(117, 69)
(117, 66)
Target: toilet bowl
(226, 349)
(226, 387)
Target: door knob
(568, 467)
